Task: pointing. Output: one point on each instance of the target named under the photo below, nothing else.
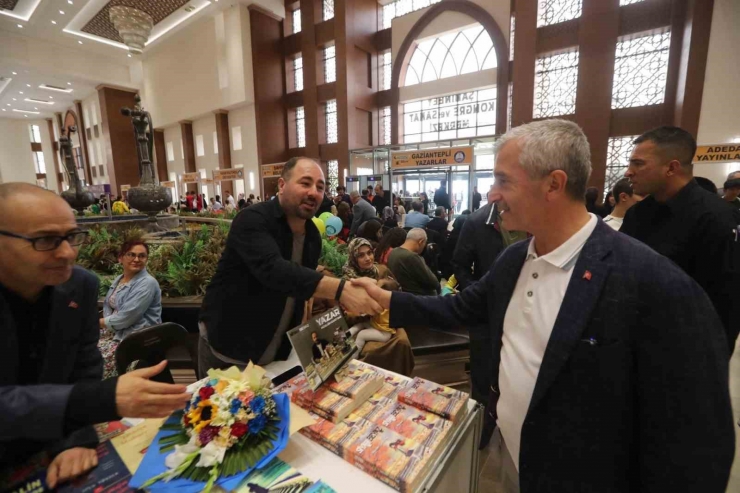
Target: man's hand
(380, 295)
(70, 464)
(355, 299)
(137, 397)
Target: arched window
(462, 52)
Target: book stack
(434, 398)
(390, 427)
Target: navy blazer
(646, 408)
(36, 413)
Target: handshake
(364, 296)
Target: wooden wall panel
(224, 145)
(269, 88)
(188, 149)
(525, 52)
(121, 156)
(160, 154)
(83, 139)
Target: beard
(303, 213)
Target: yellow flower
(202, 415)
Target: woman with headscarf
(361, 263)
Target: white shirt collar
(563, 256)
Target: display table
(456, 468)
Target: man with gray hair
(362, 211)
(606, 377)
(732, 190)
(409, 268)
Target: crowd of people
(600, 332)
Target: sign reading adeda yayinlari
(717, 153)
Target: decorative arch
(70, 118)
(477, 13)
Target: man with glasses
(51, 391)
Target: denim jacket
(139, 305)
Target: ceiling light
(38, 101)
(80, 42)
(15, 99)
(61, 12)
(15, 73)
(54, 22)
(129, 55)
(20, 92)
(70, 2)
(51, 97)
(28, 85)
(26, 116)
(133, 25)
(20, 26)
(69, 83)
(35, 108)
(8, 104)
(55, 88)
(29, 112)
(3, 109)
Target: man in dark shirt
(684, 222)
(266, 274)
(381, 200)
(326, 204)
(343, 195)
(476, 199)
(409, 268)
(51, 369)
(442, 198)
(439, 222)
(318, 348)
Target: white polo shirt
(530, 318)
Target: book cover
(360, 385)
(111, 475)
(437, 389)
(448, 408)
(425, 428)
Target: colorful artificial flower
(239, 429)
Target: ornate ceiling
(100, 24)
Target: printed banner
(167, 184)
(228, 174)
(193, 177)
(272, 170)
(451, 156)
(206, 181)
(717, 153)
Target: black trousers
(480, 363)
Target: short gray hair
(354, 194)
(550, 145)
(416, 234)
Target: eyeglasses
(48, 243)
(133, 256)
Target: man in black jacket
(442, 198)
(266, 274)
(610, 362)
(684, 222)
(51, 391)
(476, 199)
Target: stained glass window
(617, 160)
(384, 130)
(556, 11)
(466, 114)
(296, 21)
(512, 31)
(328, 9)
(332, 171)
(510, 108)
(330, 64)
(298, 73)
(456, 53)
(300, 126)
(555, 82)
(398, 8)
(385, 70)
(331, 122)
(640, 70)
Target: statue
(149, 197)
(77, 195)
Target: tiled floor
(489, 481)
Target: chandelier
(133, 25)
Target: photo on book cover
(323, 345)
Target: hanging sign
(272, 170)
(717, 153)
(228, 174)
(193, 177)
(206, 181)
(425, 158)
(167, 184)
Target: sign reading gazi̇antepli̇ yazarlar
(425, 158)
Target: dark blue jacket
(646, 408)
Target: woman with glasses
(134, 301)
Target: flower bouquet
(231, 425)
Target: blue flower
(196, 401)
(257, 404)
(257, 424)
(236, 404)
(213, 381)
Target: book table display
(377, 431)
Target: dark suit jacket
(317, 347)
(477, 248)
(645, 408)
(37, 413)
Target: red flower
(185, 420)
(239, 429)
(208, 433)
(206, 392)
